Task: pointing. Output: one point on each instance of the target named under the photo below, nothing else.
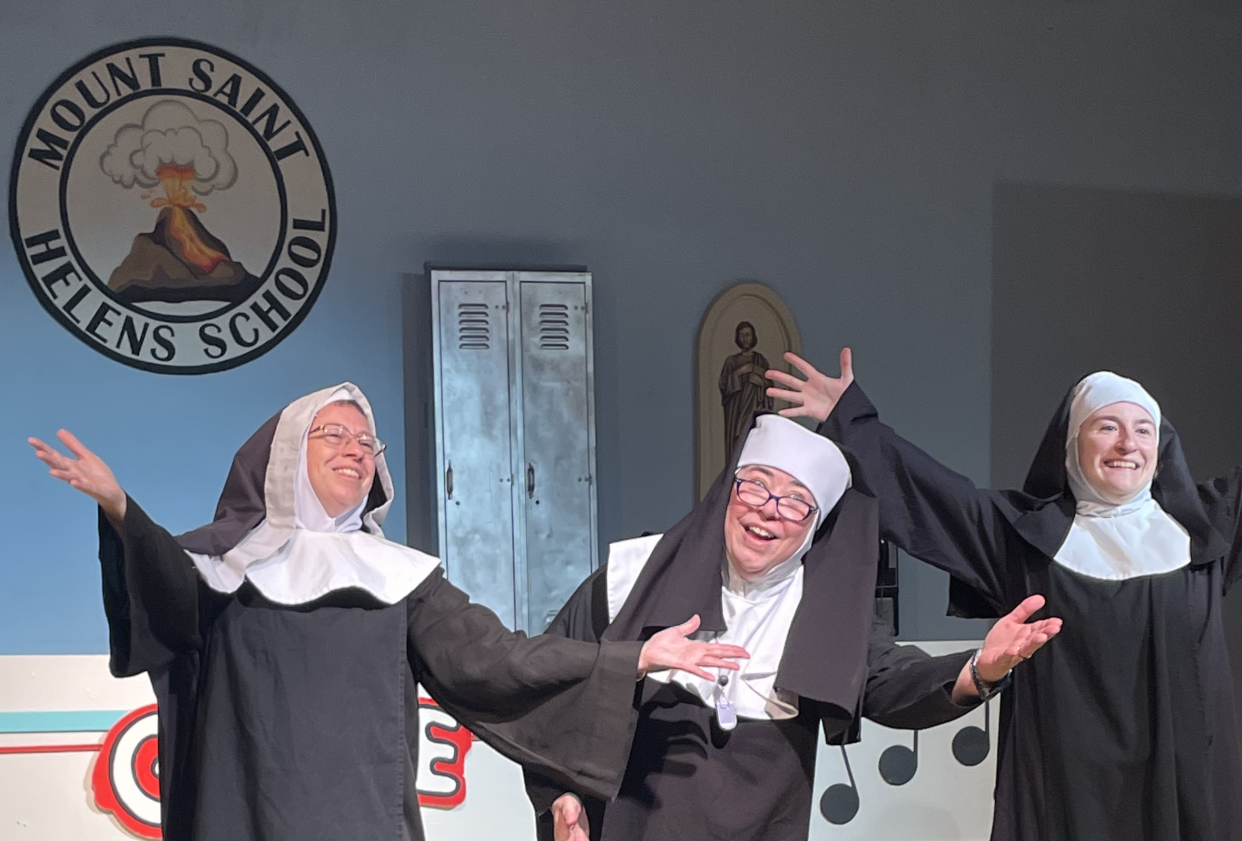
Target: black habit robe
(1122, 728)
(301, 722)
(688, 780)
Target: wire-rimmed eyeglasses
(756, 495)
(337, 436)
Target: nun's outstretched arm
(931, 512)
(561, 707)
(908, 689)
(83, 471)
(1011, 641)
(151, 591)
(911, 690)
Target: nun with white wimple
(779, 558)
(286, 638)
(1123, 730)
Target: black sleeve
(934, 514)
(1222, 499)
(151, 594)
(583, 617)
(562, 708)
(908, 689)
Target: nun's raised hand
(670, 649)
(83, 471)
(569, 820)
(814, 396)
(1013, 639)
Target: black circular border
(62, 190)
(32, 278)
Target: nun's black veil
(825, 655)
(1043, 511)
(243, 504)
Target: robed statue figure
(743, 387)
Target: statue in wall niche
(743, 386)
(746, 330)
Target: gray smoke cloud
(171, 134)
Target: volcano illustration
(179, 261)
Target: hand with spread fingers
(569, 820)
(83, 471)
(814, 396)
(1013, 639)
(672, 649)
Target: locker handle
(448, 480)
(530, 481)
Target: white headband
(812, 459)
(1094, 392)
(1104, 388)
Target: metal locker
(474, 450)
(556, 442)
(515, 440)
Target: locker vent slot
(553, 327)
(474, 330)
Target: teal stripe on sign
(70, 721)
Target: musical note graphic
(839, 803)
(972, 745)
(899, 764)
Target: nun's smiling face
(757, 538)
(1117, 451)
(340, 476)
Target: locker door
(474, 441)
(556, 444)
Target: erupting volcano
(177, 159)
(180, 260)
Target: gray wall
(844, 153)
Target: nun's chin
(1115, 495)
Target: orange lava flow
(192, 248)
(178, 198)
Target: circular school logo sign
(171, 207)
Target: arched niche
(722, 366)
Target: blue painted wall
(843, 153)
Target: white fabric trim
(298, 554)
(310, 564)
(1146, 541)
(1109, 541)
(757, 617)
(626, 559)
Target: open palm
(83, 471)
(814, 396)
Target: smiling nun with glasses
(1124, 729)
(779, 558)
(284, 641)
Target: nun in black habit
(285, 639)
(1124, 729)
(780, 558)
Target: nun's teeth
(767, 535)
